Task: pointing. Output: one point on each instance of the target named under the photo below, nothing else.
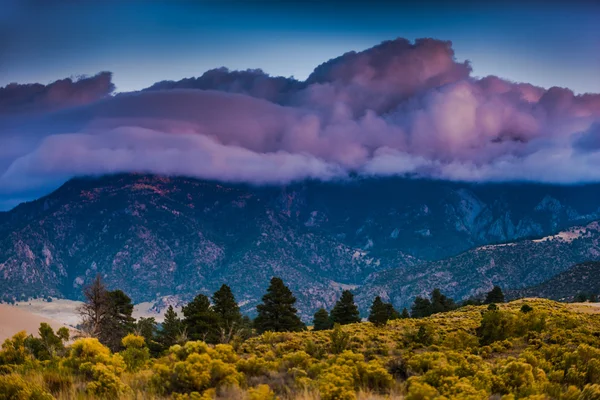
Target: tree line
(107, 315)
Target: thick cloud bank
(399, 108)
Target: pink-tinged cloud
(399, 108)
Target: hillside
(154, 237)
(511, 265)
(580, 278)
(470, 353)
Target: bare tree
(95, 308)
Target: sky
(141, 42)
(273, 92)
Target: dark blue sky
(141, 42)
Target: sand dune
(15, 318)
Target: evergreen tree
(345, 310)
(146, 327)
(392, 312)
(421, 308)
(321, 320)
(405, 313)
(228, 313)
(380, 313)
(171, 328)
(277, 312)
(118, 320)
(200, 320)
(494, 296)
(440, 303)
(581, 297)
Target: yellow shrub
(14, 387)
(14, 350)
(136, 354)
(420, 391)
(105, 383)
(261, 392)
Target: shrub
(14, 387)
(14, 350)
(421, 391)
(57, 382)
(261, 392)
(525, 308)
(105, 383)
(339, 339)
(136, 354)
(590, 392)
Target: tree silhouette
(228, 313)
(200, 320)
(171, 328)
(277, 312)
(494, 296)
(380, 313)
(321, 320)
(345, 310)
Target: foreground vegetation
(534, 349)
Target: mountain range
(165, 239)
(581, 278)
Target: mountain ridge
(157, 236)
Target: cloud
(399, 108)
(16, 98)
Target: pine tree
(228, 313)
(118, 320)
(321, 320)
(405, 313)
(392, 312)
(345, 310)
(380, 313)
(200, 320)
(440, 303)
(277, 312)
(494, 296)
(171, 328)
(421, 308)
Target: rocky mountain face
(580, 278)
(510, 265)
(155, 237)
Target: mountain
(580, 278)
(157, 237)
(510, 265)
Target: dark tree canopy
(321, 320)
(277, 312)
(345, 310)
(200, 319)
(392, 312)
(380, 312)
(405, 313)
(118, 320)
(495, 296)
(440, 303)
(171, 328)
(421, 308)
(106, 315)
(228, 313)
(424, 307)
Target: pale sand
(14, 319)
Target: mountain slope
(580, 278)
(510, 265)
(154, 236)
